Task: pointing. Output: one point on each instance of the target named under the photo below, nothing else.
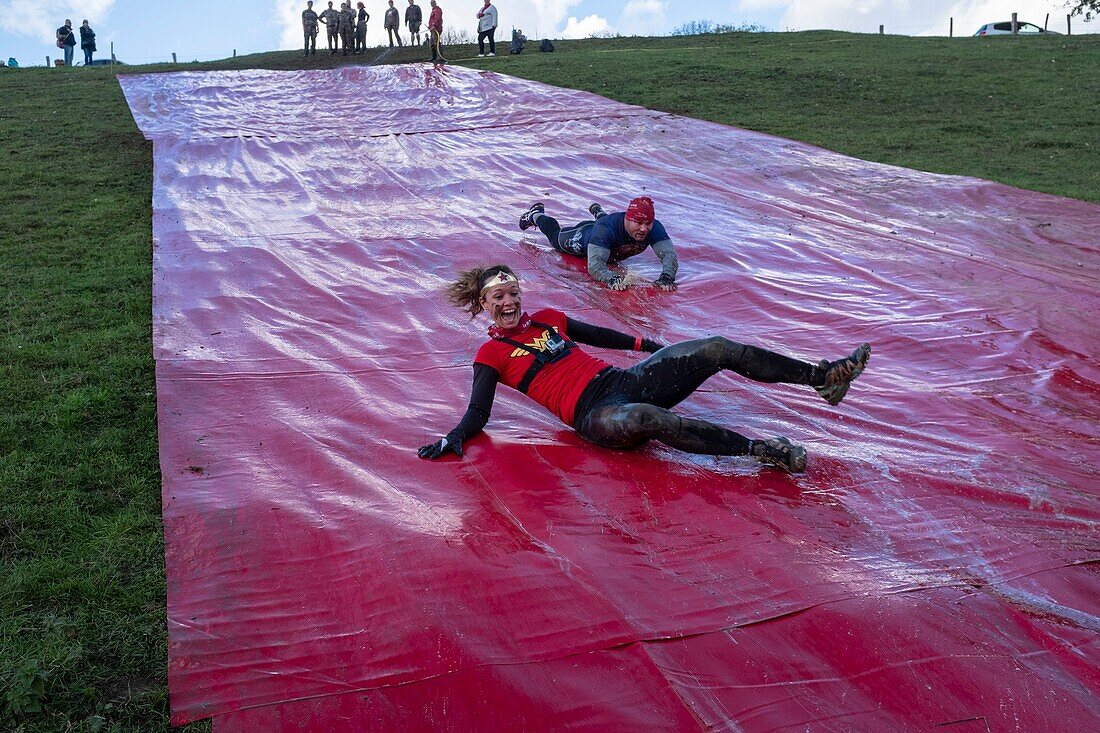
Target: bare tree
(1088, 8)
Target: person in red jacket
(435, 32)
(539, 356)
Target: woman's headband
(501, 278)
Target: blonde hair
(465, 293)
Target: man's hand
(617, 282)
(665, 282)
(439, 447)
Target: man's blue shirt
(610, 233)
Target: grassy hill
(82, 609)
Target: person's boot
(780, 452)
(527, 219)
(596, 211)
(840, 374)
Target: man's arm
(669, 264)
(598, 269)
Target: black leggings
(482, 35)
(563, 240)
(627, 407)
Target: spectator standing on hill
(361, 29)
(347, 27)
(310, 28)
(87, 42)
(435, 32)
(610, 238)
(392, 24)
(331, 19)
(487, 28)
(66, 41)
(413, 19)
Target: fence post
(47, 62)
(112, 54)
(234, 53)
(1068, 29)
(880, 30)
(951, 29)
(173, 58)
(1046, 21)
(1015, 25)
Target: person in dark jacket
(87, 42)
(66, 41)
(331, 20)
(413, 18)
(347, 27)
(361, 18)
(391, 21)
(310, 27)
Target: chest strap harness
(556, 348)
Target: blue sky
(145, 31)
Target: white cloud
(586, 27)
(538, 18)
(645, 7)
(644, 17)
(289, 15)
(760, 4)
(40, 19)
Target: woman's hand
(439, 447)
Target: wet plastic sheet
(935, 566)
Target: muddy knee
(632, 425)
(646, 421)
(722, 350)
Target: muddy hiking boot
(840, 374)
(596, 211)
(527, 219)
(780, 452)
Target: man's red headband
(640, 210)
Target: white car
(1005, 29)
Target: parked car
(107, 62)
(1005, 29)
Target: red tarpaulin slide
(934, 568)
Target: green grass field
(82, 587)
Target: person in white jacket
(487, 28)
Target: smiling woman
(620, 408)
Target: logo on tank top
(539, 344)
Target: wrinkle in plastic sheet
(935, 566)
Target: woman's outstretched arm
(608, 338)
(477, 414)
